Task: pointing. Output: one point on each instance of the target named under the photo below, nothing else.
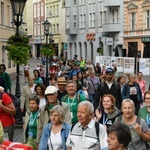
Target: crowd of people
(84, 107)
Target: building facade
(55, 14)
(137, 28)
(38, 29)
(6, 30)
(93, 24)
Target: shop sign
(146, 39)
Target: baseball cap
(109, 70)
(50, 90)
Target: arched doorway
(91, 49)
(85, 52)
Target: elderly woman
(119, 137)
(133, 91)
(139, 129)
(55, 134)
(93, 82)
(32, 120)
(144, 112)
(27, 92)
(107, 113)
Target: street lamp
(17, 10)
(46, 25)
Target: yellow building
(137, 28)
(6, 30)
(53, 13)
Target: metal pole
(17, 90)
(47, 79)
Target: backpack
(16, 103)
(96, 129)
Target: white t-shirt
(42, 102)
(55, 141)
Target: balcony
(111, 27)
(112, 3)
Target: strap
(93, 84)
(97, 129)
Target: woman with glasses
(6, 77)
(144, 112)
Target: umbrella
(116, 52)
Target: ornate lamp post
(17, 9)
(46, 25)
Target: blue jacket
(47, 133)
(126, 92)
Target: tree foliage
(47, 50)
(18, 49)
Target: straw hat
(61, 80)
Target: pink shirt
(142, 84)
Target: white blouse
(55, 141)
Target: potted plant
(47, 50)
(18, 49)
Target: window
(113, 16)
(57, 28)
(54, 31)
(54, 10)
(67, 22)
(2, 13)
(57, 11)
(101, 19)
(42, 9)
(104, 17)
(34, 11)
(74, 2)
(133, 21)
(74, 21)
(148, 19)
(8, 15)
(38, 10)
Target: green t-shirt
(32, 125)
(73, 105)
(143, 113)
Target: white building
(91, 24)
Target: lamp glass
(18, 6)
(46, 24)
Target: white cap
(50, 90)
(1, 89)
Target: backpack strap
(138, 119)
(78, 98)
(72, 126)
(97, 129)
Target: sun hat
(50, 90)
(61, 80)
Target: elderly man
(51, 97)
(86, 133)
(61, 82)
(72, 99)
